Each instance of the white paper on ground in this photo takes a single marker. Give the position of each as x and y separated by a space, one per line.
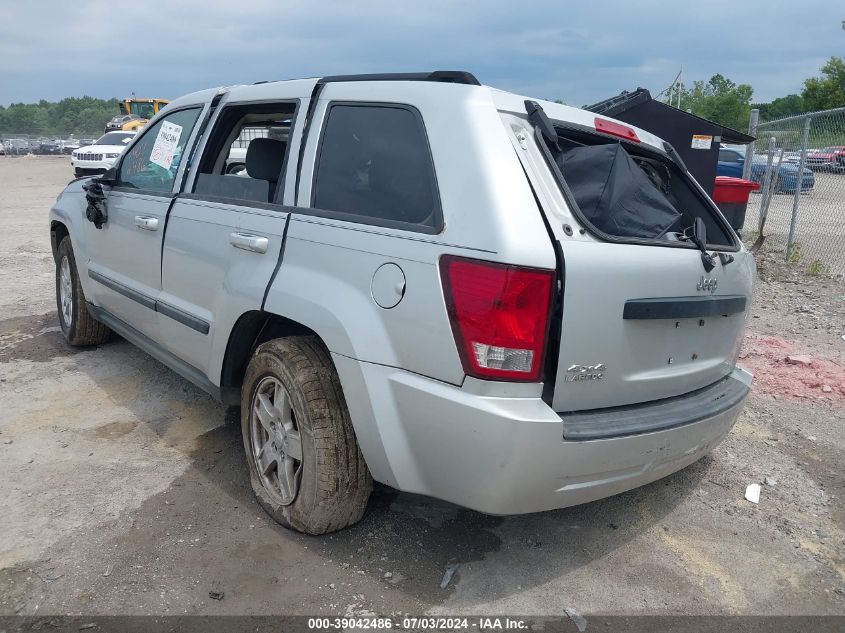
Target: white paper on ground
752 493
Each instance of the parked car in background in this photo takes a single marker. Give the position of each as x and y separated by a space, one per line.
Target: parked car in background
68 145
732 161
17 147
97 158
116 124
827 159
418 331
50 148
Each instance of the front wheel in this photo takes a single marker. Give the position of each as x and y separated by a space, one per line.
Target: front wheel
78 326
304 461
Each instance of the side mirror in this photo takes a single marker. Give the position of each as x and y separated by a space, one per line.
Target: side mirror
108 178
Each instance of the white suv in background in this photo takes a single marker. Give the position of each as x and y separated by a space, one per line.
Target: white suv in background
509 304
95 159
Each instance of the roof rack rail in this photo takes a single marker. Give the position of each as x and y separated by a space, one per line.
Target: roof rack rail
444 76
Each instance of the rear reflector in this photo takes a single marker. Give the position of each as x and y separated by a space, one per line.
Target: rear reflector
616 129
499 316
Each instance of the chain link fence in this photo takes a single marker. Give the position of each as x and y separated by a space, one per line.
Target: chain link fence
799 162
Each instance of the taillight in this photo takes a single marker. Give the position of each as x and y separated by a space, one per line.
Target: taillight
499 315
616 129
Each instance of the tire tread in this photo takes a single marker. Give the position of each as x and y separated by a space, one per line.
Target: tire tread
85 330
342 479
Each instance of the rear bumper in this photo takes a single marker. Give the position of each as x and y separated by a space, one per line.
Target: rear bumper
649 417
506 455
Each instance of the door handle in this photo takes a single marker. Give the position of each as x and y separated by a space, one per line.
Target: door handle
254 243
148 224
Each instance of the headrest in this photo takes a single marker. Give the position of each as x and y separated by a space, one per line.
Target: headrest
264 158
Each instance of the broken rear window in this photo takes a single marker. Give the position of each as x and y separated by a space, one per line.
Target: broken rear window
627 191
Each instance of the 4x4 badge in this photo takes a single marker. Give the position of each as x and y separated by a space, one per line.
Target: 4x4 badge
576 373
707 284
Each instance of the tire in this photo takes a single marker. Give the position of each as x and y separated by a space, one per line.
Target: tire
78 326
78 173
327 488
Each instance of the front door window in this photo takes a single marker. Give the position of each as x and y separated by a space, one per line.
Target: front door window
152 162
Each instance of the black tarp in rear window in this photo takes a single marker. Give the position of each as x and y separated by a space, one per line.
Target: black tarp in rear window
615 194
631 192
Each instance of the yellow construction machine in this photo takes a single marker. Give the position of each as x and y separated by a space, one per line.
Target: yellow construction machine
134 114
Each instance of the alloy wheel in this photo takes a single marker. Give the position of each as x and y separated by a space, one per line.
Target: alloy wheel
275 440
66 291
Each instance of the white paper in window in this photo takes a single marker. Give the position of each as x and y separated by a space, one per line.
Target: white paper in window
165 145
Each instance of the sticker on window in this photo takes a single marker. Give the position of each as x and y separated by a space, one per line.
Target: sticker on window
165 146
701 141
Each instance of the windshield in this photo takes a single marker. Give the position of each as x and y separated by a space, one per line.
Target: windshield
830 150
143 110
115 138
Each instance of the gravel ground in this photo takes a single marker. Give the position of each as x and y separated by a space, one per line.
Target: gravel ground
125 489
819 230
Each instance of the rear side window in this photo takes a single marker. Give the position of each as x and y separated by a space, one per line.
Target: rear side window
374 163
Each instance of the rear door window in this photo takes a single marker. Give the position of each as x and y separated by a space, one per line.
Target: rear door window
374 166
245 156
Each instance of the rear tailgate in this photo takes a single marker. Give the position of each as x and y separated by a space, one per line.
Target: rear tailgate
625 309
640 322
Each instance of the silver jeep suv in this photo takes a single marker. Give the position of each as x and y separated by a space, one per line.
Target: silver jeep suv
509 304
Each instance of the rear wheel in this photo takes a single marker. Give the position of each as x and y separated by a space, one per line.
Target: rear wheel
78 326
304 461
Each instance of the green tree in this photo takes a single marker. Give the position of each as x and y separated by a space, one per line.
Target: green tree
719 100
781 107
82 116
827 91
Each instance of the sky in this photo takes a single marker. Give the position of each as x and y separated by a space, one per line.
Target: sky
580 52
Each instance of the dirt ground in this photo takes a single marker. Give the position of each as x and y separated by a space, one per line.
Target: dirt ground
124 488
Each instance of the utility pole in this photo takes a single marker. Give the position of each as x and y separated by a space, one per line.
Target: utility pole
680 82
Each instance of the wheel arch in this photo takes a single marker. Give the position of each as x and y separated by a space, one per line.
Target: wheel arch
255 327
251 330
58 231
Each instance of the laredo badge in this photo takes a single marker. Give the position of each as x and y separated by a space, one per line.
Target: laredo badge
577 373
